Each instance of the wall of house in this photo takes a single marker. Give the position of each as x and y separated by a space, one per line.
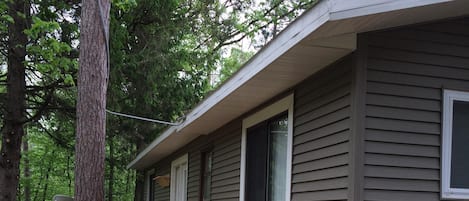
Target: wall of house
226 146
407 68
321 144
321 134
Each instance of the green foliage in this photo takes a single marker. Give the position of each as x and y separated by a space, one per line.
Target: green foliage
162 55
233 62
52 167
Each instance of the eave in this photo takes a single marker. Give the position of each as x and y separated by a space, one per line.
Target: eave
318 38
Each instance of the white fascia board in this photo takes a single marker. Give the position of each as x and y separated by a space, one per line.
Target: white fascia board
294 33
346 9
310 21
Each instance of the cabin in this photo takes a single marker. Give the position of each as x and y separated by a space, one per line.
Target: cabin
355 100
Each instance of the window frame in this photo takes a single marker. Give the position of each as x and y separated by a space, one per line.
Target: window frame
449 96
283 105
203 156
184 159
148 180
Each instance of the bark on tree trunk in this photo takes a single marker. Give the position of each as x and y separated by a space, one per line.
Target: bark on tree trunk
91 103
12 132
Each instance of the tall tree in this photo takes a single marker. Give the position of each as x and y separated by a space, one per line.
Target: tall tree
91 102
31 49
12 130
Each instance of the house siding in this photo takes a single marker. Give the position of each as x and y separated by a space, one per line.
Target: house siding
407 68
321 134
225 144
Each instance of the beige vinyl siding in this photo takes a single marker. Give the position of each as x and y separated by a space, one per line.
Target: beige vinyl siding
321 134
407 70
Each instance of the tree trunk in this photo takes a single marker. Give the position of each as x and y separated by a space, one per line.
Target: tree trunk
12 132
91 102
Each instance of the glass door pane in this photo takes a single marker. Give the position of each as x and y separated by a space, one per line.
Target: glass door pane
278 138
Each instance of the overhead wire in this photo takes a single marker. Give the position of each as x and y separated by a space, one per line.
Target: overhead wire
105 31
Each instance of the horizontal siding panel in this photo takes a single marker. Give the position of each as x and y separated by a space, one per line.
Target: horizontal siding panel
401 184
321 153
329 184
225 182
422 35
226 188
400 195
403 102
321 90
329 140
402 161
332 95
324 120
316 84
401 173
322 174
417 57
402 149
403 90
234 146
231 160
419 46
403 114
402 137
415 80
403 126
340 194
450 27
225 195
419 69
323 110
324 163
335 127
225 175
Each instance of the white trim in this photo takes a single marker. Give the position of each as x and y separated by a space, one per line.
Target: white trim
348 9
449 96
327 19
286 104
183 160
147 183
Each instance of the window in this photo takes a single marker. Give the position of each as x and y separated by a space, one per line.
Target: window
178 191
266 153
150 185
455 164
206 175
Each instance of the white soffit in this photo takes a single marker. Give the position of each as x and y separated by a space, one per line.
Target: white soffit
318 38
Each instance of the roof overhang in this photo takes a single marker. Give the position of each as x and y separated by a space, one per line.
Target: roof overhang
318 38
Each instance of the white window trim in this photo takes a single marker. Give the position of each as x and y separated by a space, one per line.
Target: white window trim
147 183
449 96
285 104
179 161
